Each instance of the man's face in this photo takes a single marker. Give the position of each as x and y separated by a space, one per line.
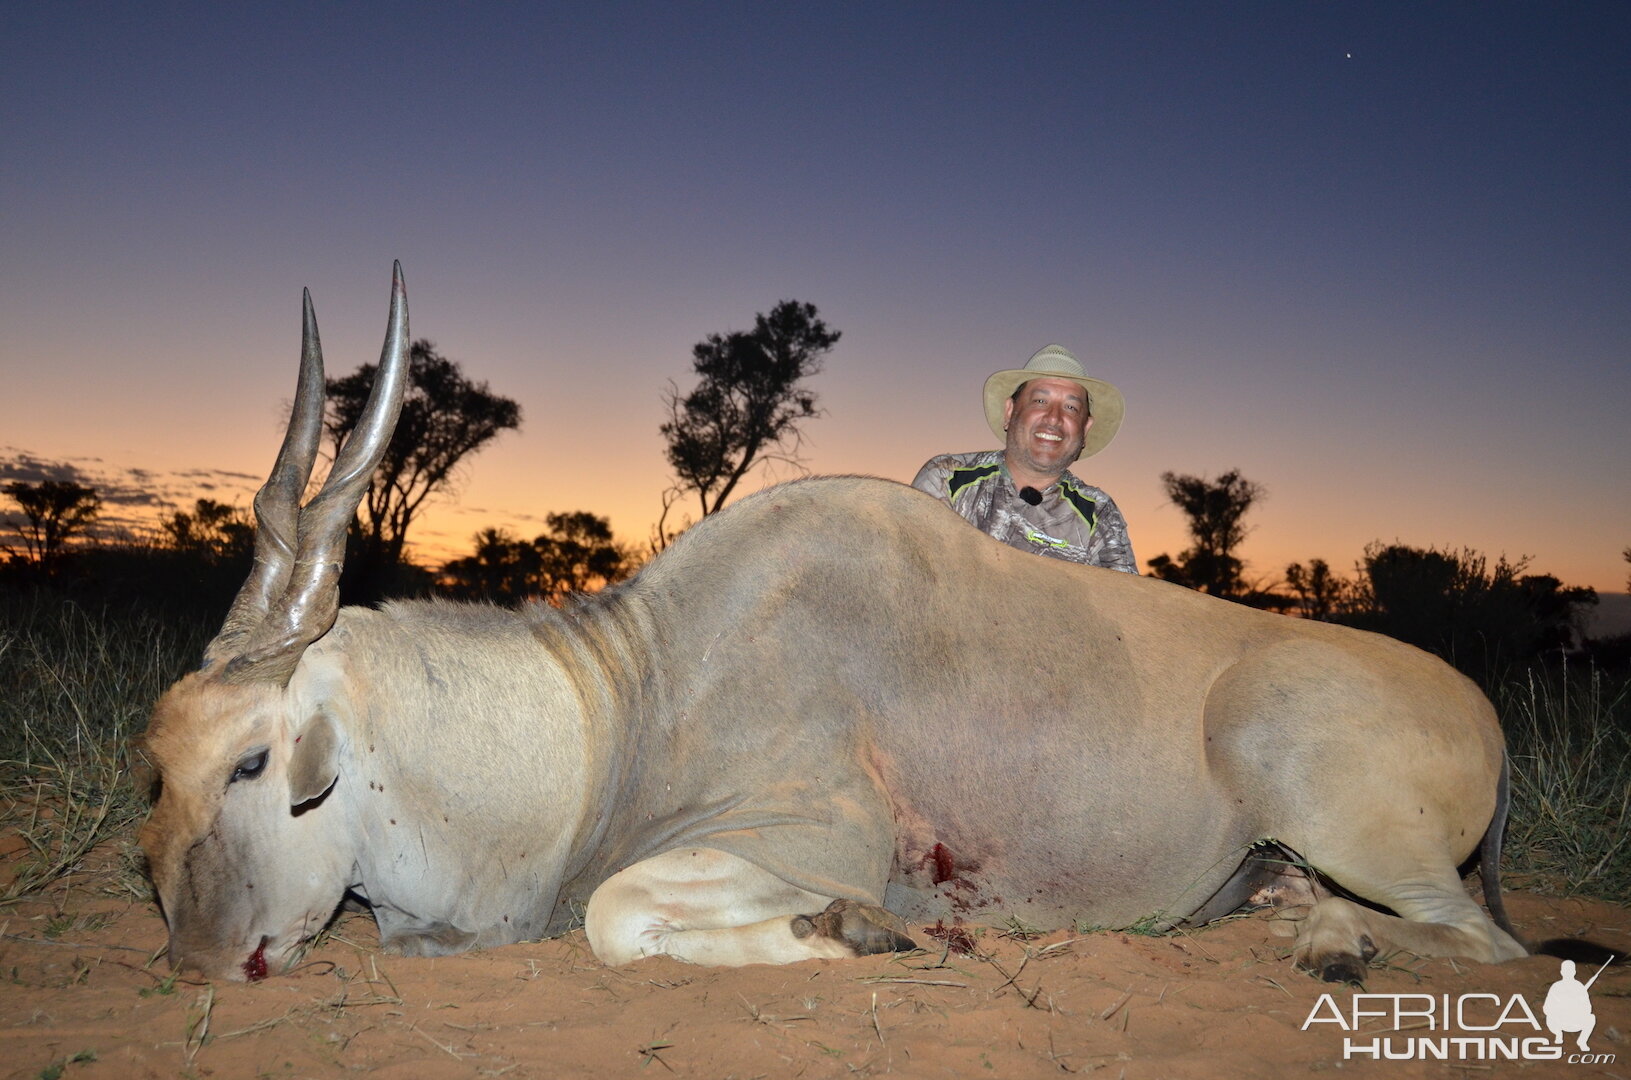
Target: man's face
1046 426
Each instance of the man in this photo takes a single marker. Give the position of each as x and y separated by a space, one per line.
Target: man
1048 414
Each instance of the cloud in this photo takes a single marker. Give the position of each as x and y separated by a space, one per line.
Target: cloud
20 465
460 510
134 499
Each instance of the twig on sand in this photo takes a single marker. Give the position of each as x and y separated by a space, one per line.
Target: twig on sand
1111 1011
648 1054
1058 948
1189 936
198 1027
759 1016
263 1025
448 1050
1008 980
382 977
1274 983
904 979
69 944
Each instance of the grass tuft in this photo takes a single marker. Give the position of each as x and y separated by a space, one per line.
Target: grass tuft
79 687
1569 738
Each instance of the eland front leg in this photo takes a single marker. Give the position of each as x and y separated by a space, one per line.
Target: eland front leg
709 907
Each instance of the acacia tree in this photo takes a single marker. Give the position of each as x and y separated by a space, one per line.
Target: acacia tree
577 554
1215 509
445 418
501 569
1320 594
56 510
746 406
213 531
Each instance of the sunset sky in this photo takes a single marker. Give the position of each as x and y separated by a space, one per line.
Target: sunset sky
1376 256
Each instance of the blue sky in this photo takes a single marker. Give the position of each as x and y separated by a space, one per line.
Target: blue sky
1373 255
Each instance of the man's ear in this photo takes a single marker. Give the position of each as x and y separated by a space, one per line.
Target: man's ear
315 763
1007 412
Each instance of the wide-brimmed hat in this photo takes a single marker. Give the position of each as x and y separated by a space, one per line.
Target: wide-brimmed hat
1105 404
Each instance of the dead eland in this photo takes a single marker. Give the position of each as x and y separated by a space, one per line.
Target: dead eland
828 711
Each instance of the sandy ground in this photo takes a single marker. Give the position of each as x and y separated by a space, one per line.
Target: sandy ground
84 995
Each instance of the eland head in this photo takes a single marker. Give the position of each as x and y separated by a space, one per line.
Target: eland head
247 851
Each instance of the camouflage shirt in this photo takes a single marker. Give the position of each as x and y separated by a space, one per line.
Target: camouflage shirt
1074 521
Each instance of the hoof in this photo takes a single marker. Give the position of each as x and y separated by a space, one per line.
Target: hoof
1346 967
865 928
1343 969
439 939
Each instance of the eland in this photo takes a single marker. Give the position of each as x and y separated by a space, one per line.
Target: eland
824 713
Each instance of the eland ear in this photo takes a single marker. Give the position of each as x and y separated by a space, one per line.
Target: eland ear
315 763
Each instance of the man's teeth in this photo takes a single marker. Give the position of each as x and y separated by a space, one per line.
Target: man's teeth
1049 437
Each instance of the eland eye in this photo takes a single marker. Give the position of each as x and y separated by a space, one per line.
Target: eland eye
249 766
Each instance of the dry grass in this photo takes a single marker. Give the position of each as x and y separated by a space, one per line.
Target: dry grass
1569 737
79 686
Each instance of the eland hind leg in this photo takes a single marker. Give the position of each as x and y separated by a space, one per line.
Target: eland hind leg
709 907
1399 847
1379 766
1435 917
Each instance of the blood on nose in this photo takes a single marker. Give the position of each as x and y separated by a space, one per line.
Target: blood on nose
255 966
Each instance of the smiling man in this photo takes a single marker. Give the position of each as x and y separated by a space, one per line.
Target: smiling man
1048 414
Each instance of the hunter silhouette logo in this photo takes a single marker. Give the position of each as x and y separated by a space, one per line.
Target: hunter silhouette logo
1568 1006
1466 1027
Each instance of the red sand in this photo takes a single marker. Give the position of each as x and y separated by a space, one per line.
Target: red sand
80 982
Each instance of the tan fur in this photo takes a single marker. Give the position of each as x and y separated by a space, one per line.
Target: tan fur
834 690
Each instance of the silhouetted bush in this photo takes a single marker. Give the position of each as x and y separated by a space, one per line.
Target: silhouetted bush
1487 621
162 581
